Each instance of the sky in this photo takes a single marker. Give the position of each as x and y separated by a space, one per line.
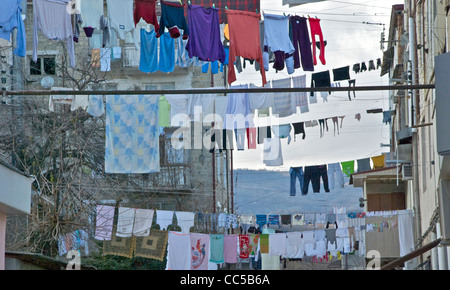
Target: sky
352 30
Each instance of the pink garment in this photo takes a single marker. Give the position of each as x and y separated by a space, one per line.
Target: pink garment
104 222
199 251
230 246
243 28
314 25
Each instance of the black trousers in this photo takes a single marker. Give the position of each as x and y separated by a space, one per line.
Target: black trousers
313 174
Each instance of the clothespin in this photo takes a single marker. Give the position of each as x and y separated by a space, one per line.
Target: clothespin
214 5
226 7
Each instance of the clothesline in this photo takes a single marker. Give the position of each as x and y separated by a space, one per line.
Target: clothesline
218 90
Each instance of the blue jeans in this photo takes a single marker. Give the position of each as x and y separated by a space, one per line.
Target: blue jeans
296 173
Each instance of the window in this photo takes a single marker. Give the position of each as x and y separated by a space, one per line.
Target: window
43 66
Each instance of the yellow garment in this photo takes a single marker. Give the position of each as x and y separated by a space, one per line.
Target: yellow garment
378 161
226 32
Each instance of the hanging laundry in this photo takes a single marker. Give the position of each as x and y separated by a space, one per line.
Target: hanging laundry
105 59
335 125
320 79
335 175
172 18
253 245
79 102
146 9
286 219
341 74
358 116
273 219
143 219
178 251
121 17
185 220
217 248
204 37
91 11
244 40
261 100
299 128
378 63
264 243
272 152
282 131
302 43
363 67
158 249
164 112
276 38
371 65
316 30
313 174
261 220
148 62
251 138
299 99
348 167
240 139
378 161
182 56
96 106
387 117
311 123
294 245
351 83
277 244
244 250
106 31
363 165
199 251
282 102
357 68
104 222
166 53
164 218
323 125
230 248
53 20
295 173
298 219
125 222
132 134
238 113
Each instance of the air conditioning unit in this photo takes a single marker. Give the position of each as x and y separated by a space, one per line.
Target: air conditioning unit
407 172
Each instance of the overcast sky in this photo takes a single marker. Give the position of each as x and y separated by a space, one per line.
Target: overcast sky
349 41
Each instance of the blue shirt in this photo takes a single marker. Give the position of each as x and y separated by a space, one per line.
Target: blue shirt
10 18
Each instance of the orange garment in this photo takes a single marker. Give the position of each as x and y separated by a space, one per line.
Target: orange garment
378 161
244 40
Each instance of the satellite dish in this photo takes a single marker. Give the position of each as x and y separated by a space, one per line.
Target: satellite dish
47 82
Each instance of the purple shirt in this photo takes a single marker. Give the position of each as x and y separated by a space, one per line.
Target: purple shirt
204 34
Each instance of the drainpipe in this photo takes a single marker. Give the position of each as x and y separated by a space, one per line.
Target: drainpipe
415 145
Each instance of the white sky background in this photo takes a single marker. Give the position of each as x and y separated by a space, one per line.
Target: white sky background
349 41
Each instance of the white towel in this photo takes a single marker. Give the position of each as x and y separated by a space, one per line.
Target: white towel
405 232
164 218
104 222
277 244
269 262
125 222
295 248
178 251
142 222
185 220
